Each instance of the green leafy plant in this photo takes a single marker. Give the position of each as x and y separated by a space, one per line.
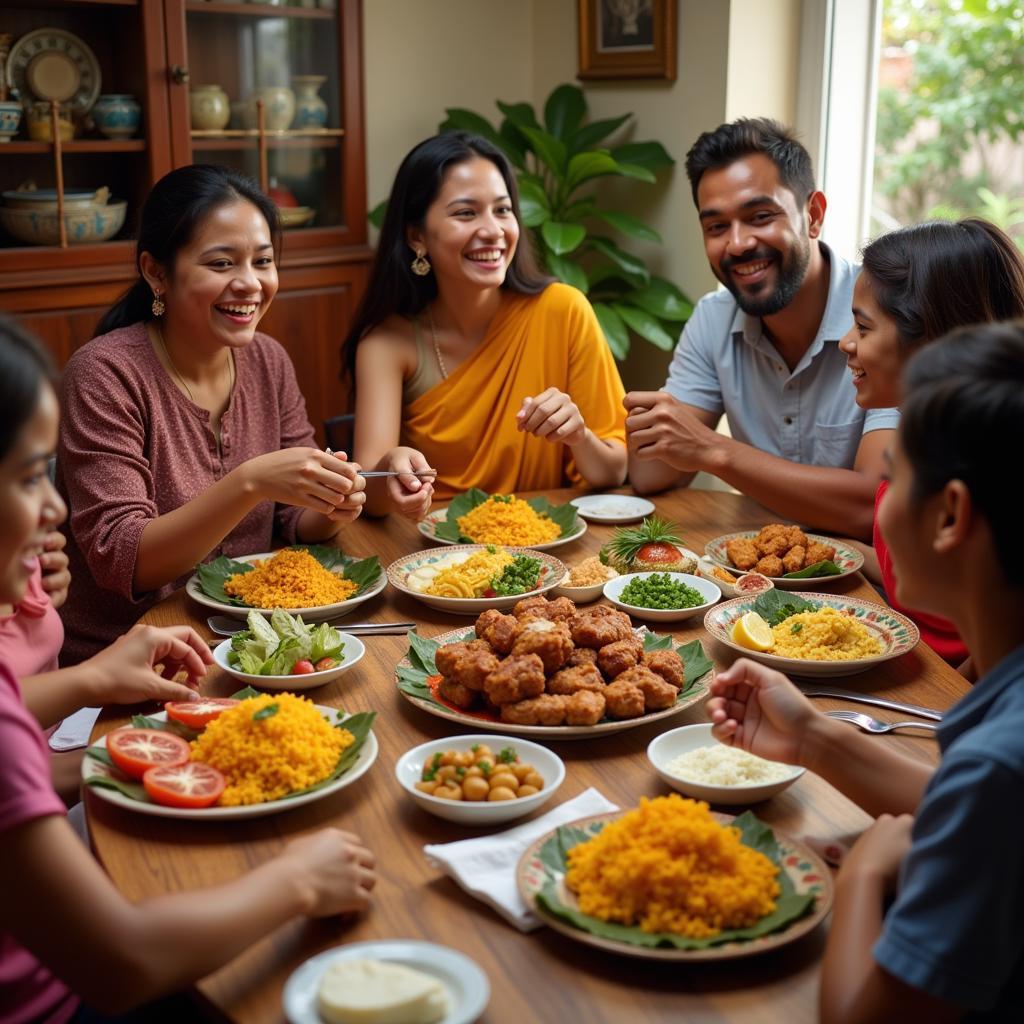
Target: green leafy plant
557 164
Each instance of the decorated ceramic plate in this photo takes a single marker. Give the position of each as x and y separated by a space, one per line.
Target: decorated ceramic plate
895 632
115 791
59 64
206 585
847 560
465 984
805 899
440 526
612 508
412 573
417 679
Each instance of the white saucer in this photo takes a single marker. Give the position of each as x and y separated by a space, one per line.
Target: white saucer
468 988
612 508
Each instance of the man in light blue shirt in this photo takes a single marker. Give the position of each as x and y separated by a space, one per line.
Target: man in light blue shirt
765 352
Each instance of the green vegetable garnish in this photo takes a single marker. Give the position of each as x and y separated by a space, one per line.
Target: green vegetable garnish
429 774
519 577
796 627
621 550
659 590
268 712
485 767
775 606
507 755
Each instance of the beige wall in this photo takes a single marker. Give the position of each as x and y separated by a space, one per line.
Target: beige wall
425 55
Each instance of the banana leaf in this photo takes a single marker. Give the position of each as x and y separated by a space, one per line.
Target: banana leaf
825 568
775 606
212 576
789 906
564 516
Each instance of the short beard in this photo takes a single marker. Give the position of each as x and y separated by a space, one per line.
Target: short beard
792 271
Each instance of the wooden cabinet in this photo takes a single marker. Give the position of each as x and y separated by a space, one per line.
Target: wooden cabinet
161 51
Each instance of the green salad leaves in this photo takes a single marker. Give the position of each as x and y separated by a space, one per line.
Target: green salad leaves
272 648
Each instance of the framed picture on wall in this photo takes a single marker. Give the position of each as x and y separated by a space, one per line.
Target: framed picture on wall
627 39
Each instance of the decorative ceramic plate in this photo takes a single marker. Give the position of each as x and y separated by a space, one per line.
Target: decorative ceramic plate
552 572
465 983
59 64
848 559
895 632
434 704
612 508
367 755
319 614
805 871
428 525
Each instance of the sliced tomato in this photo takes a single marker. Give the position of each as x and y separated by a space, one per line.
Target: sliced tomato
192 784
325 663
198 714
135 751
302 667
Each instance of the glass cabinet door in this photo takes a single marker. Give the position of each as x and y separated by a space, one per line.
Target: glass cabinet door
267 86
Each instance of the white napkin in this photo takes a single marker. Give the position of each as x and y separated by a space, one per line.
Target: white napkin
74 731
486 867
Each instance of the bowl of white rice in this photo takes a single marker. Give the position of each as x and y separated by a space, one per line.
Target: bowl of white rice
693 762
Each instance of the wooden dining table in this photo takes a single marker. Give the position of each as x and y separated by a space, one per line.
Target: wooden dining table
540 976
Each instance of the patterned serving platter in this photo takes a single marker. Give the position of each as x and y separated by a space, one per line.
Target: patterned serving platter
806 871
848 559
690 695
896 632
552 572
62 59
428 527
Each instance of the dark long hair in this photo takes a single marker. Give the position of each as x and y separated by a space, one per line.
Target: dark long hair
748 136
178 203
393 287
933 277
24 367
963 404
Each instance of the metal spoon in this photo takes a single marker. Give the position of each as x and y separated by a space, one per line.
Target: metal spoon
224 625
873 725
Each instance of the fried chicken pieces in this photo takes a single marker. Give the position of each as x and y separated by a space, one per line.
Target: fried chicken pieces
776 550
549 664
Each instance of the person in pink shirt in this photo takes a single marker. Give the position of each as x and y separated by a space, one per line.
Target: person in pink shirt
916 284
184 435
72 948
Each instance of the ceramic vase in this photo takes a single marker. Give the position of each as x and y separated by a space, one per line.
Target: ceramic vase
117 115
310 109
278 107
209 108
10 118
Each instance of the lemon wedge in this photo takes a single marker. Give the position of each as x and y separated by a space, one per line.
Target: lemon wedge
752 632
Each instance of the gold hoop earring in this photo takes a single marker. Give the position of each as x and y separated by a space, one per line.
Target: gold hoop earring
158 307
420 265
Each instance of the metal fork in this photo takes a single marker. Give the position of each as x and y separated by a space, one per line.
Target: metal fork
873 725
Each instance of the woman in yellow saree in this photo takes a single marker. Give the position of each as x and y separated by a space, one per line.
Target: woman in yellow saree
464 357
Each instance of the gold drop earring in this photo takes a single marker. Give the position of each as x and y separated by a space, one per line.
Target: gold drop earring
420 265
158 307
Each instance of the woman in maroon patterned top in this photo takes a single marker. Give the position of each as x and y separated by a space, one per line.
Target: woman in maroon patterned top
184 435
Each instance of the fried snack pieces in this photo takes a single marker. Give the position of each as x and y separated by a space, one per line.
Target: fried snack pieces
776 550
549 664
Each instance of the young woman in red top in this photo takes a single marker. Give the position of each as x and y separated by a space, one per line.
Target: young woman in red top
917 284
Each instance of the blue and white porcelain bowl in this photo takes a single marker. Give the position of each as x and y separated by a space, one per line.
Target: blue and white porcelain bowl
10 120
117 115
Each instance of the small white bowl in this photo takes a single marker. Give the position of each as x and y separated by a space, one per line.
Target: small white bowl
664 749
705 569
409 770
581 595
353 652
708 590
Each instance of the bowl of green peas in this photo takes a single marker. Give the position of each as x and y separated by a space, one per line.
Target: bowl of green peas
661 596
